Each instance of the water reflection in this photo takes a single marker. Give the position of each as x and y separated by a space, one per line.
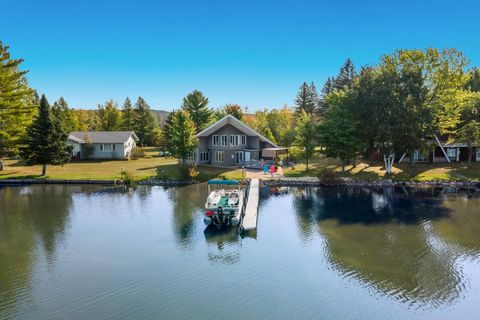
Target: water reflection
391 239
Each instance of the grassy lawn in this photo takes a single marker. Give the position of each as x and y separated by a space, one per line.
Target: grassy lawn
403 171
139 169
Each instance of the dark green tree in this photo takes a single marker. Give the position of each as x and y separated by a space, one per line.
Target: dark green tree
64 115
346 76
144 122
128 116
182 131
196 104
46 141
338 132
304 100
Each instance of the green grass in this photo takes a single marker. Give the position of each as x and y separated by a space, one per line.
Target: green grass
402 172
139 169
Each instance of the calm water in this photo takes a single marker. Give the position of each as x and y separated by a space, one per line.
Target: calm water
110 253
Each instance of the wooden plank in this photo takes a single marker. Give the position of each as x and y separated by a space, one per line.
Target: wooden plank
249 221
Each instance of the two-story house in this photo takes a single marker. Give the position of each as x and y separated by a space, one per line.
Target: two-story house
230 142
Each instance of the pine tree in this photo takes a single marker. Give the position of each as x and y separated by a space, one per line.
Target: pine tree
46 141
17 105
196 104
144 121
304 101
182 135
315 97
165 141
346 76
64 114
109 116
128 115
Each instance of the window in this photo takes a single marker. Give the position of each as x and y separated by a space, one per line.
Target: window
238 140
220 156
107 147
203 156
478 154
452 153
224 140
215 140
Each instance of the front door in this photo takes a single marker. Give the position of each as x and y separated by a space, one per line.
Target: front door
247 156
238 157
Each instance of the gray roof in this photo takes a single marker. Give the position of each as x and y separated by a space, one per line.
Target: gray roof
102 136
231 120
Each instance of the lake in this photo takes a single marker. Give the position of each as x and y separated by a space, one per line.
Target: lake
89 252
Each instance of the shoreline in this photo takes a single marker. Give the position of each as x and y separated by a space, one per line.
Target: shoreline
279 182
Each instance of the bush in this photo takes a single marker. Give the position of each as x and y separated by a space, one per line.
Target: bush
126 177
328 176
188 172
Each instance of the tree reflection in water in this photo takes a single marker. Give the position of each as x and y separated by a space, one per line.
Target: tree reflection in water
385 238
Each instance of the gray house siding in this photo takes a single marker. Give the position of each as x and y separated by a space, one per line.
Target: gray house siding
119 152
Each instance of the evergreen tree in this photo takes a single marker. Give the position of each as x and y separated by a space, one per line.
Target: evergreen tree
346 76
144 122
165 141
315 97
304 101
306 134
128 116
109 116
196 104
474 82
46 141
64 115
182 137
235 110
17 105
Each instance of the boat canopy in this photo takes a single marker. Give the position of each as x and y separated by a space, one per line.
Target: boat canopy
224 182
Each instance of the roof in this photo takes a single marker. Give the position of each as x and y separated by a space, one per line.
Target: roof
231 120
102 136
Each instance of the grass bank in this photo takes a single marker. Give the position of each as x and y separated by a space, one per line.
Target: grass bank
140 169
402 172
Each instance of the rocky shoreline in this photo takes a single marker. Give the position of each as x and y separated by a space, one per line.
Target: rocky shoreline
278 182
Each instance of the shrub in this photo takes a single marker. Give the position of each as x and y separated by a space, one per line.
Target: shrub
188 172
126 177
329 176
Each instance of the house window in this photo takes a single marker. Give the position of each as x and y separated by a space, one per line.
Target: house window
220 156
203 156
478 154
107 147
452 153
244 140
215 141
232 140
224 140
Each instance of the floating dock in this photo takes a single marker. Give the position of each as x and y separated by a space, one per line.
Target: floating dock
250 215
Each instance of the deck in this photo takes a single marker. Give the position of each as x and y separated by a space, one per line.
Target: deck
250 217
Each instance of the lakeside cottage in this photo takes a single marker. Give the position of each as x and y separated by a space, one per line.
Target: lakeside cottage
103 144
230 142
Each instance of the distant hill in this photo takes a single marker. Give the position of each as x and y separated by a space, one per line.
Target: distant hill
161 116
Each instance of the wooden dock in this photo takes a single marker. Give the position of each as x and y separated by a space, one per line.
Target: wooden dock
250 215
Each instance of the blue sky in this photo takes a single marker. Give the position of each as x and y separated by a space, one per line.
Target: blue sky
254 53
